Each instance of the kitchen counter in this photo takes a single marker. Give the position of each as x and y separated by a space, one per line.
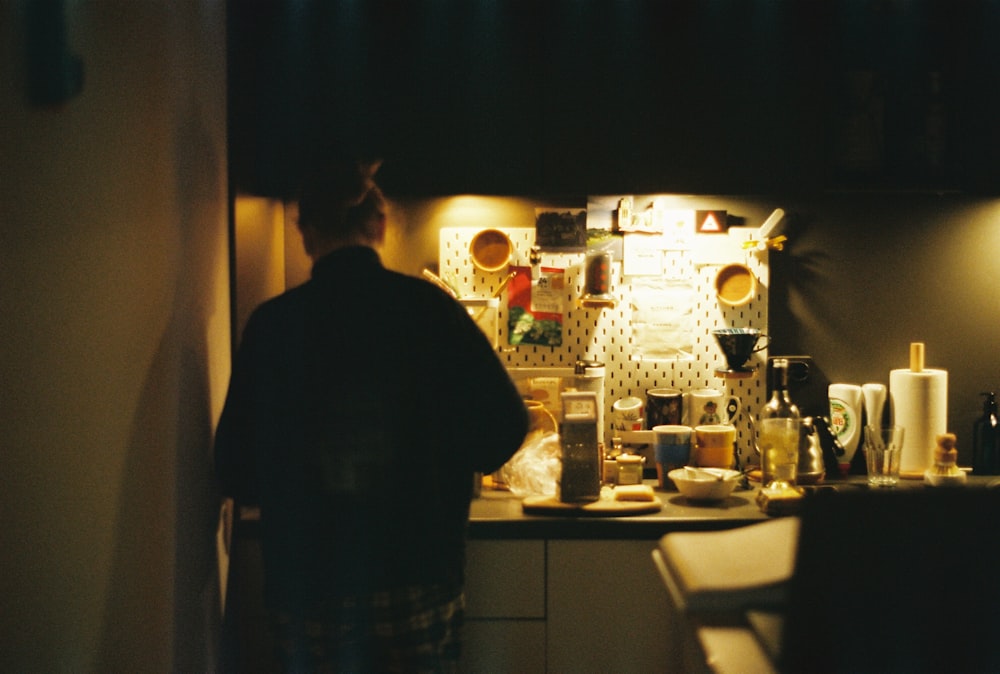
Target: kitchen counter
499 515
533 583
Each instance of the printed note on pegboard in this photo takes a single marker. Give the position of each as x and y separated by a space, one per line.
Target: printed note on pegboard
535 312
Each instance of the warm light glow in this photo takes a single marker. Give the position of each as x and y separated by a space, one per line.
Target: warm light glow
484 211
414 244
260 252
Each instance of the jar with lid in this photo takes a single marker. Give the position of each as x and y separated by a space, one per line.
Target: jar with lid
630 468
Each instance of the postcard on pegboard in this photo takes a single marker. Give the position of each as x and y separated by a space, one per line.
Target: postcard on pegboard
564 230
535 306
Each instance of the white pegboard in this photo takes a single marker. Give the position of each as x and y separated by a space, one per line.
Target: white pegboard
605 334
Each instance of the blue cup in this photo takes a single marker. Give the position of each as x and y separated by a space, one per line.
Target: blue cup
673 449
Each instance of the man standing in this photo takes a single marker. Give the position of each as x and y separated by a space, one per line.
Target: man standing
361 404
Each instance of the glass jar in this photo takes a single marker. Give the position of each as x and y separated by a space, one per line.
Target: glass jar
629 468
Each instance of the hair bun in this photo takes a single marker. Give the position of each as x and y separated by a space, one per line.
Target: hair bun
364 181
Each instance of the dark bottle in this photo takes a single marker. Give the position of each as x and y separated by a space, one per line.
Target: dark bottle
986 439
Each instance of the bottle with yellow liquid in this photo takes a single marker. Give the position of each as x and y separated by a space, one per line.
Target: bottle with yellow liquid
779 430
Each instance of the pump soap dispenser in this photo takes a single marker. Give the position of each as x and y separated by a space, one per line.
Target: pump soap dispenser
986 439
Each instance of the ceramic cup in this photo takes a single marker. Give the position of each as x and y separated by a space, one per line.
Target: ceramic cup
491 250
618 424
735 285
673 449
713 446
626 414
664 407
707 406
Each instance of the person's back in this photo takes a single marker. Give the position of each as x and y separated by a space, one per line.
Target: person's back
366 400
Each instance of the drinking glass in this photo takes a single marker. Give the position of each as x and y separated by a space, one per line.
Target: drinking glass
883 449
778 442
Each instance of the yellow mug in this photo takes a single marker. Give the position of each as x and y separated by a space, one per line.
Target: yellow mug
713 446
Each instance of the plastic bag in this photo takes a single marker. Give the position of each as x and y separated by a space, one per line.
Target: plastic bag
535 467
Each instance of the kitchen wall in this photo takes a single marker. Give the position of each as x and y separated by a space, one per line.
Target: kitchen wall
115 301
862 275
868 120
865 274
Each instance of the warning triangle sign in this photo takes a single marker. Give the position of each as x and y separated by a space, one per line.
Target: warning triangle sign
711 222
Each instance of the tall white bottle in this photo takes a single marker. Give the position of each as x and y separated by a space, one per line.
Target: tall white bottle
845 419
874 395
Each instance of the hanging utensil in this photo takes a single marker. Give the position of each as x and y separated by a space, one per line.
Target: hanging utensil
439 282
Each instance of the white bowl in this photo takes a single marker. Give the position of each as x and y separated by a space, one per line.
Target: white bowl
703 484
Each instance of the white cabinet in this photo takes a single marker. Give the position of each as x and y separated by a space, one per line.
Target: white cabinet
564 606
505 609
504 646
607 608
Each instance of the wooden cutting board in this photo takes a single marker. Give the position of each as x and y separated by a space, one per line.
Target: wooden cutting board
551 505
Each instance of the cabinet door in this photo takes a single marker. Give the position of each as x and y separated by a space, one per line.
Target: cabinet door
607 608
503 647
505 607
505 579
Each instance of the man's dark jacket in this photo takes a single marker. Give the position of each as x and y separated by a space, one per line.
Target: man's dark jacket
360 404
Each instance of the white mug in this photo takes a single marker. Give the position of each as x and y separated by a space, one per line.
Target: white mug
707 406
626 414
628 409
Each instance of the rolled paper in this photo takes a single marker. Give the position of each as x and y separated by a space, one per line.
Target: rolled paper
920 405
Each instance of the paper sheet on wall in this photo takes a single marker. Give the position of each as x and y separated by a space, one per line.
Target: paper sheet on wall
662 320
643 254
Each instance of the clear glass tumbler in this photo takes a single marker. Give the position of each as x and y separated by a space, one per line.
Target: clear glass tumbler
883 449
778 442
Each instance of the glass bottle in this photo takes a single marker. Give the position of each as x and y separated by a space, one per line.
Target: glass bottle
779 433
780 406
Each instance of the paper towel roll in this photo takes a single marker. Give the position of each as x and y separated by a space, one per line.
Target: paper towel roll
920 406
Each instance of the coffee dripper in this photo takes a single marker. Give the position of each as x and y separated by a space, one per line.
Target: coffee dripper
737 345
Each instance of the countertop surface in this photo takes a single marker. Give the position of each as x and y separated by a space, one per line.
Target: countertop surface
499 514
